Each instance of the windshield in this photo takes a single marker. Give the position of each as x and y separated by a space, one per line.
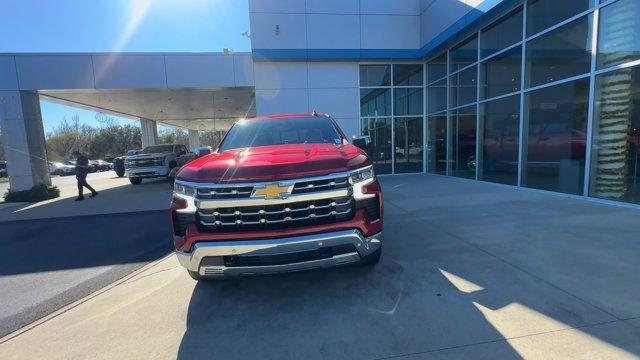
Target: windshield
158 149
307 130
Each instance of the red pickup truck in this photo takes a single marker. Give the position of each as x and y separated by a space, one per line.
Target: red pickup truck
282 193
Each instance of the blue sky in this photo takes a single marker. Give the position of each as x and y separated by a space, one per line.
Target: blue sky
120 25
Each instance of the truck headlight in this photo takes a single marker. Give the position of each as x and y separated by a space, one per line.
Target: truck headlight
361 175
184 189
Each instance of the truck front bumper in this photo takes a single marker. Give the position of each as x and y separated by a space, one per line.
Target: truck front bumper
146 172
279 255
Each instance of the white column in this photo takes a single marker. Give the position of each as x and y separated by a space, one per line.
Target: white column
149 129
194 139
23 140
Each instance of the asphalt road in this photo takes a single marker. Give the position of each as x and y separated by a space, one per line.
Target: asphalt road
49 263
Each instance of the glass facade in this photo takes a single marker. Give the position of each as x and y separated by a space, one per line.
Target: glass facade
532 99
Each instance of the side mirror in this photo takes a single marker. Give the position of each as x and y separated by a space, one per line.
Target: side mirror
361 141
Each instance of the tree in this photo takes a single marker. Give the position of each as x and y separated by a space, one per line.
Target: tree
173 136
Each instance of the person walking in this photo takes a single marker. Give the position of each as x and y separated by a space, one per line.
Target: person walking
82 169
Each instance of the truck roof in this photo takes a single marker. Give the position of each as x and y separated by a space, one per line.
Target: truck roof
287 116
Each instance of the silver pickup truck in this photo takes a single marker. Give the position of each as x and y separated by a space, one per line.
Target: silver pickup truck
156 161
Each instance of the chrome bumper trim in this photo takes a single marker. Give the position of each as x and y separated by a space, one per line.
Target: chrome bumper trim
364 246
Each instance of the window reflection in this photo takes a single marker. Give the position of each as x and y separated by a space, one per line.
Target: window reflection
408 142
380 147
542 14
615 165
500 124
375 75
437 96
501 74
502 34
408 101
437 68
375 102
560 54
619 33
407 75
437 144
464 54
463 142
463 87
556 137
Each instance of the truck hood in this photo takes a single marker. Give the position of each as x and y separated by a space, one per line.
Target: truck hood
277 162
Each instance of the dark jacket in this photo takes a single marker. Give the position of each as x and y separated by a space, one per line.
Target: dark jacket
82 165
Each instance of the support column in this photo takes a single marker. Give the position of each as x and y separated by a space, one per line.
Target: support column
194 139
23 140
149 129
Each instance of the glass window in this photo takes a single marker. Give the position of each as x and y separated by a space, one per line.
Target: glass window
619 33
542 14
408 101
556 119
464 54
375 75
615 164
463 142
437 96
375 102
562 53
463 87
501 74
407 75
501 34
364 125
380 147
500 124
437 144
408 142
437 68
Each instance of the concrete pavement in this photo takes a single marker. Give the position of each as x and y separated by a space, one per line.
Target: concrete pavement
469 270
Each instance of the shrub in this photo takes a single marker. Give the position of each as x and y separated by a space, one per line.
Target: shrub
36 193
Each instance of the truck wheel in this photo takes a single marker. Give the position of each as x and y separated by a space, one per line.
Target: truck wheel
372 258
194 275
135 180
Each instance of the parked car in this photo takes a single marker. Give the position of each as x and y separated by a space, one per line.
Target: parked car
156 161
61 168
3 169
282 193
103 165
118 163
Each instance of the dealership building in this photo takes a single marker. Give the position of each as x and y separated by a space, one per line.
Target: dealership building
538 94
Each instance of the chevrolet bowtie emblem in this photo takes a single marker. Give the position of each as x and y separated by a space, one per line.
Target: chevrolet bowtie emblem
272 191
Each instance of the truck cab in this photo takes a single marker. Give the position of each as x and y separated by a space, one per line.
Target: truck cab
282 193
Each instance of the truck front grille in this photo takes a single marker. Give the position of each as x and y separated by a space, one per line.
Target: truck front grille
286 215
143 163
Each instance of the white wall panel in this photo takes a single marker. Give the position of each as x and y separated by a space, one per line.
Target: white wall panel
391 7
126 71
339 103
278 101
278 6
54 72
8 76
333 74
292 34
199 71
243 68
439 15
390 32
280 75
333 31
333 6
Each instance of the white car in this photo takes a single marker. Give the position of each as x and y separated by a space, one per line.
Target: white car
156 161
61 169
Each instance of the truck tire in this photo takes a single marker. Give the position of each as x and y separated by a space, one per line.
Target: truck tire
135 180
194 275
371 259
118 166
